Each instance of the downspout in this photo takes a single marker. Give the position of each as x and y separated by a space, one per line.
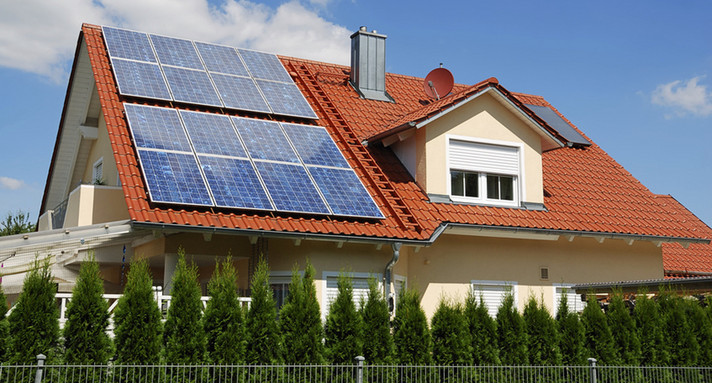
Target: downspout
388 276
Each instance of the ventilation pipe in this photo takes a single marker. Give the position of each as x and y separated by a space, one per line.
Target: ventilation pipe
389 277
368 64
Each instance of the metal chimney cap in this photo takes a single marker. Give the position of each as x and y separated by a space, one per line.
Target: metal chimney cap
363 28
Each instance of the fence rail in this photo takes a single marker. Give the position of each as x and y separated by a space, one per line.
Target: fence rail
357 373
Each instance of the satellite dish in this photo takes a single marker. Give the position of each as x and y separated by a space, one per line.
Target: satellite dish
438 83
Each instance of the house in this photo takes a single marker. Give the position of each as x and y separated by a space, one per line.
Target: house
167 143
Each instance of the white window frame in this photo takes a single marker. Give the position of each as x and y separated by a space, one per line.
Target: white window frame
493 310
578 307
98 164
325 306
281 278
518 179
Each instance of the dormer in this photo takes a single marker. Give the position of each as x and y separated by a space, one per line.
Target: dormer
479 146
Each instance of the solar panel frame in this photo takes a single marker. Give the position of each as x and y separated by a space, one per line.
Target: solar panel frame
191 86
146 80
291 188
156 128
126 44
264 65
174 177
344 192
221 59
315 146
212 134
559 124
234 183
286 99
265 140
239 93
176 52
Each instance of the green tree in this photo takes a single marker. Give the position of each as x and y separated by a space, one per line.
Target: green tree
599 339
701 326
650 331
451 335
483 332
34 322
85 337
183 336
378 345
623 329
4 328
344 326
511 334
571 335
264 344
17 223
137 333
542 335
679 336
312 346
223 321
300 320
411 335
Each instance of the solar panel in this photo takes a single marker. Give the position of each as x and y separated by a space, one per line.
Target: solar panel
290 188
221 59
234 183
176 52
173 178
264 65
212 134
191 86
156 128
128 44
286 99
555 121
315 146
344 192
265 140
240 93
140 79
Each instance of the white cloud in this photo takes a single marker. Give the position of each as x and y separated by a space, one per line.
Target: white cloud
39 36
11 183
684 97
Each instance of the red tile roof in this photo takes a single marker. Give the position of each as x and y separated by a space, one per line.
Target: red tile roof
696 259
586 190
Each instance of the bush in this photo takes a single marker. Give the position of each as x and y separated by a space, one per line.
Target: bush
312 346
85 337
34 322
378 345
542 335
138 319
4 328
411 336
679 336
599 340
701 326
451 336
183 337
511 334
625 335
223 321
483 332
571 335
264 345
649 324
343 328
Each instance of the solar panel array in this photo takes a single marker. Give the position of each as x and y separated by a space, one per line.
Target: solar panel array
209 159
167 68
555 121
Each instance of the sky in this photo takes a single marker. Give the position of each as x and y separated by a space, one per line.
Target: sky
635 76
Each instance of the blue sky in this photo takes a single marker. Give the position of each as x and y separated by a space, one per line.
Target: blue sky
635 76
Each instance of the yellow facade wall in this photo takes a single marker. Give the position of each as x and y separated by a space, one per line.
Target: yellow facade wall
102 150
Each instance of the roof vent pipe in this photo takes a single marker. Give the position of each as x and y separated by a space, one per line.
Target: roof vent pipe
368 64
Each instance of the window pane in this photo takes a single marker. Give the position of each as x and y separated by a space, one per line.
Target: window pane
457 183
492 187
471 186
506 185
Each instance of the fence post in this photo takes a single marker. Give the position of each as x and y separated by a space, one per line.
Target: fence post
40 362
359 369
592 364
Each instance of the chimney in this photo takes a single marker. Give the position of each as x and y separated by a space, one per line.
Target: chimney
368 65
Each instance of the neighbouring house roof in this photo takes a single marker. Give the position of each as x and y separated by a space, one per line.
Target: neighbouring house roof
693 260
586 191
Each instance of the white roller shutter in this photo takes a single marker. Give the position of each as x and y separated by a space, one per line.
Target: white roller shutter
360 286
486 158
493 293
573 300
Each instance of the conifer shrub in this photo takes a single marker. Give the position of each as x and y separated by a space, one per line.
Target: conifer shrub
649 324
34 322
344 326
4 327
451 335
312 346
290 320
599 342
542 335
85 337
223 321
378 342
701 327
511 334
411 335
264 343
678 334
623 329
483 332
571 335
137 319
183 336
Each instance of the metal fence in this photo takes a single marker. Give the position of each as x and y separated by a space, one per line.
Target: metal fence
357 373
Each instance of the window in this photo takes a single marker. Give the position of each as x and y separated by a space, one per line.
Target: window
484 172
573 300
279 283
493 293
360 288
97 175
